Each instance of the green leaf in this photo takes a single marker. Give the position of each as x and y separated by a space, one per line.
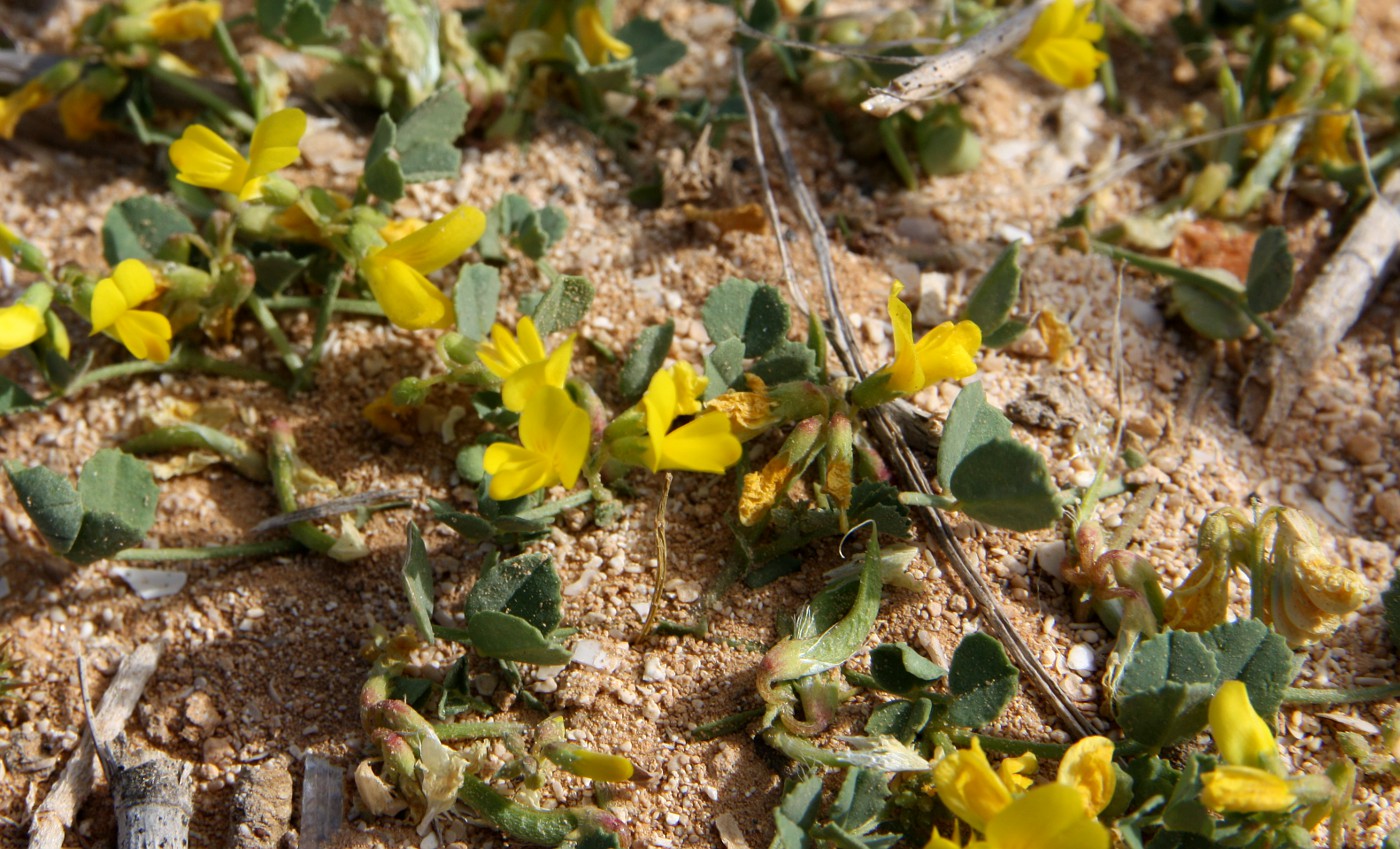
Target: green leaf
457 695
526 586
994 298
787 361
1007 484
507 637
972 423
897 668
796 813
1270 276
564 304
427 137
139 228
645 358
946 144
469 526
900 719
501 223
1164 691
13 399
1390 599
724 367
878 502
476 299
1151 777
119 497
981 680
382 174
804 655
270 14
541 230
306 23
860 803
1208 311
51 501
1248 650
1009 332
418 583
1184 810
652 49
276 270
752 312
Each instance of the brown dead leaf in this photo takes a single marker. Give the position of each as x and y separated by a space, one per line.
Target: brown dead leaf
747 218
1213 244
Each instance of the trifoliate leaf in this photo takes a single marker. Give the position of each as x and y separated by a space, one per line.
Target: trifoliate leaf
743 309
972 422
652 49
1007 484
981 680
897 668
1248 650
1165 689
141 228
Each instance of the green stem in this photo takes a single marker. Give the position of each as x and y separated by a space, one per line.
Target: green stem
192 89
274 332
318 337
1048 751
1331 696
354 306
215 552
531 825
281 462
224 41
477 730
550 509
184 359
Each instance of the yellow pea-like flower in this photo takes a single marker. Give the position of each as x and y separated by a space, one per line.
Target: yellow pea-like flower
521 362
970 788
9 241
944 353
1060 46
1241 734
1015 773
145 333
1088 768
1048 817
704 444
80 112
396 272
20 324
554 435
17 103
1245 789
203 159
185 21
598 44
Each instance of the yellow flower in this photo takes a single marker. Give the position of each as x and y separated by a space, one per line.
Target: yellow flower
704 444
20 324
1015 773
521 362
1241 735
1088 767
26 98
9 242
1245 789
944 353
185 21
1049 817
80 111
598 44
969 787
204 159
689 388
145 334
1060 46
590 764
554 436
395 230
395 273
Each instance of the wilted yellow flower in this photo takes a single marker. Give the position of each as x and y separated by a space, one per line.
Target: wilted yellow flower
1305 595
750 413
185 21
761 488
395 273
598 44
20 324
704 444
1241 734
1327 142
1060 46
145 333
969 787
521 362
1199 603
26 98
944 353
554 436
590 764
400 227
1049 817
1245 789
80 111
1088 768
203 159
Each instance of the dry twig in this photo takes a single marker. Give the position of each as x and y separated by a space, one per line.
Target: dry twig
322 802
906 465
1332 305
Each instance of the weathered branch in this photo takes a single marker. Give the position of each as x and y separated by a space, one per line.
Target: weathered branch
153 796
1332 305
322 802
945 70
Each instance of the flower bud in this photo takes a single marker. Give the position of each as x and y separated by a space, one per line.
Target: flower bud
279 191
762 488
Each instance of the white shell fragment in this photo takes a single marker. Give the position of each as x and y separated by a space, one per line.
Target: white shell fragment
1081 658
151 583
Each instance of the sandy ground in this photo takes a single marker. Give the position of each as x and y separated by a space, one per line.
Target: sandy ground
263 657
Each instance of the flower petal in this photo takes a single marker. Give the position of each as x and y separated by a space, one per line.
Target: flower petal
659 405
905 375
945 352
704 444
107 305
1088 767
20 324
408 299
135 281
502 355
555 427
440 242
201 158
1049 817
1245 789
969 787
275 141
515 471
1241 735
145 334
1057 18
531 345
